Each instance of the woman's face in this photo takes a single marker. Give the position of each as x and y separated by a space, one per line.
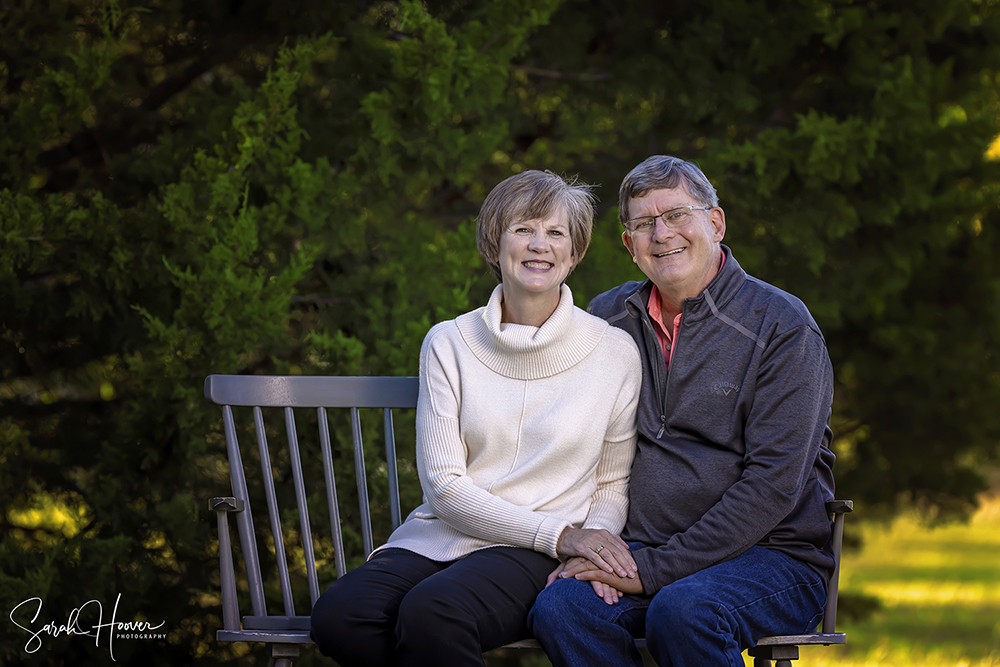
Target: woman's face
536 256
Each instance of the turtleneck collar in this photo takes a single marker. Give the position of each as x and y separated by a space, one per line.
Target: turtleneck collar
531 353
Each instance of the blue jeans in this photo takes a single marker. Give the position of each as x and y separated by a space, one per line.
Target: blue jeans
708 618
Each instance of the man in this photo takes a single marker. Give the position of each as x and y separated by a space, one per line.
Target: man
727 520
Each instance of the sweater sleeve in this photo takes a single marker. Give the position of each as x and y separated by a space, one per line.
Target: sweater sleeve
442 465
609 506
786 427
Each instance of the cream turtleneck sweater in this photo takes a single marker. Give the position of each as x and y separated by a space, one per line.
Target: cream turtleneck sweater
521 431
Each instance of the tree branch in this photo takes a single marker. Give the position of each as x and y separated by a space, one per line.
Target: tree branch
596 75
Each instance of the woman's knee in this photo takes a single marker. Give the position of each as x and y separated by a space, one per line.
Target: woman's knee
436 628
353 626
334 616
426 610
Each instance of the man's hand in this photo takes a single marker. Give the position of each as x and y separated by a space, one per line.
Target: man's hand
607 551
584 570
608 593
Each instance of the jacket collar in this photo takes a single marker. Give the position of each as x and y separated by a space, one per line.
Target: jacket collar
722 289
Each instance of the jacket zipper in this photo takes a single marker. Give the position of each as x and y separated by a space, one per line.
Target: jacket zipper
673 349
661 391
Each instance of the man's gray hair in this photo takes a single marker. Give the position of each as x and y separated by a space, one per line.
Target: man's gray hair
534 195
664 172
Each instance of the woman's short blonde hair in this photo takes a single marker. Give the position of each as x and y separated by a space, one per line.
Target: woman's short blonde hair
534 195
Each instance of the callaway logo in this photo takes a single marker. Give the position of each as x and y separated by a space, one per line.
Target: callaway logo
725 388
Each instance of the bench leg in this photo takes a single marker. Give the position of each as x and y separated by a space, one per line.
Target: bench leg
282 654
781 655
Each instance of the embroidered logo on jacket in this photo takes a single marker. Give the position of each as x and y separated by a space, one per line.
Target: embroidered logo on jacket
725 388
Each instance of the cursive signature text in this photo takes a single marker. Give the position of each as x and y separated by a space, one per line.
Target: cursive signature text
75 624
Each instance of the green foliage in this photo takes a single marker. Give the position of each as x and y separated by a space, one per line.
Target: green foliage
224 240
848 143
290 188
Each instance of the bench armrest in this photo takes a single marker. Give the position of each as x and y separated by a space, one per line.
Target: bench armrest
230 605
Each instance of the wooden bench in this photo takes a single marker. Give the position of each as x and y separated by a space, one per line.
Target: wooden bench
285 632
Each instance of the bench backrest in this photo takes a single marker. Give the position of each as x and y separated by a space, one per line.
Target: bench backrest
320 393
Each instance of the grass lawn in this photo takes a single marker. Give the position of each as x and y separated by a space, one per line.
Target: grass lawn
940 593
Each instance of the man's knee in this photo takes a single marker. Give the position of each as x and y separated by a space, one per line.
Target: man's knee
555 606
545 611
567 603
678 608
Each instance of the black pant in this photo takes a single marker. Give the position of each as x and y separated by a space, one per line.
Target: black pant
401 608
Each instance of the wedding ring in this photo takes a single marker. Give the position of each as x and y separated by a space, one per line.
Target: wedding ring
599 549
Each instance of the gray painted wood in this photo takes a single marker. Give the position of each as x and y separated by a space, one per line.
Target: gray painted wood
289 393
270 391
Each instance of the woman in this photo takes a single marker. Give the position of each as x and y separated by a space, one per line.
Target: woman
525 438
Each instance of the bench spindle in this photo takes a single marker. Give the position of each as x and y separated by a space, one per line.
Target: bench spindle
359 468
272 512
244 519
331 496
390 460
300 499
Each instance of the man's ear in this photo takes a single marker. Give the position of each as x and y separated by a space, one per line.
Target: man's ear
627 242
718 218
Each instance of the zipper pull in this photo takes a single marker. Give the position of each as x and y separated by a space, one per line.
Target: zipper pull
663 426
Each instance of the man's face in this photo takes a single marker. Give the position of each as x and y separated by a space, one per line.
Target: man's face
680 261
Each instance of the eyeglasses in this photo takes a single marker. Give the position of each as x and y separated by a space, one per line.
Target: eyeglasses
674 218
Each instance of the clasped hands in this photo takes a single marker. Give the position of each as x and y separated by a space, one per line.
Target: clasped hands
600 557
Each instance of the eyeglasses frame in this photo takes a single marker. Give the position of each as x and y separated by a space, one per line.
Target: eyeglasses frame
691 209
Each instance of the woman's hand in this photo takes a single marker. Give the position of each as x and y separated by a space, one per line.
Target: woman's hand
605 591
562 567
605 550
584 570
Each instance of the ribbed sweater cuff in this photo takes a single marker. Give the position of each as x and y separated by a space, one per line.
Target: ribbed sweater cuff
548 535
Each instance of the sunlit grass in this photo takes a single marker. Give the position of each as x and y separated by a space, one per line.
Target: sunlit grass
940 594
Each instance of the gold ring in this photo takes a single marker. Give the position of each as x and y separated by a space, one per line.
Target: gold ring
599 549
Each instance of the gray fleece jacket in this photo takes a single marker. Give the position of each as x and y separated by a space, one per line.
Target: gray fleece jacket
734 443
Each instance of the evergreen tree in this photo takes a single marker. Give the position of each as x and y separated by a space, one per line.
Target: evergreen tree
850 144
